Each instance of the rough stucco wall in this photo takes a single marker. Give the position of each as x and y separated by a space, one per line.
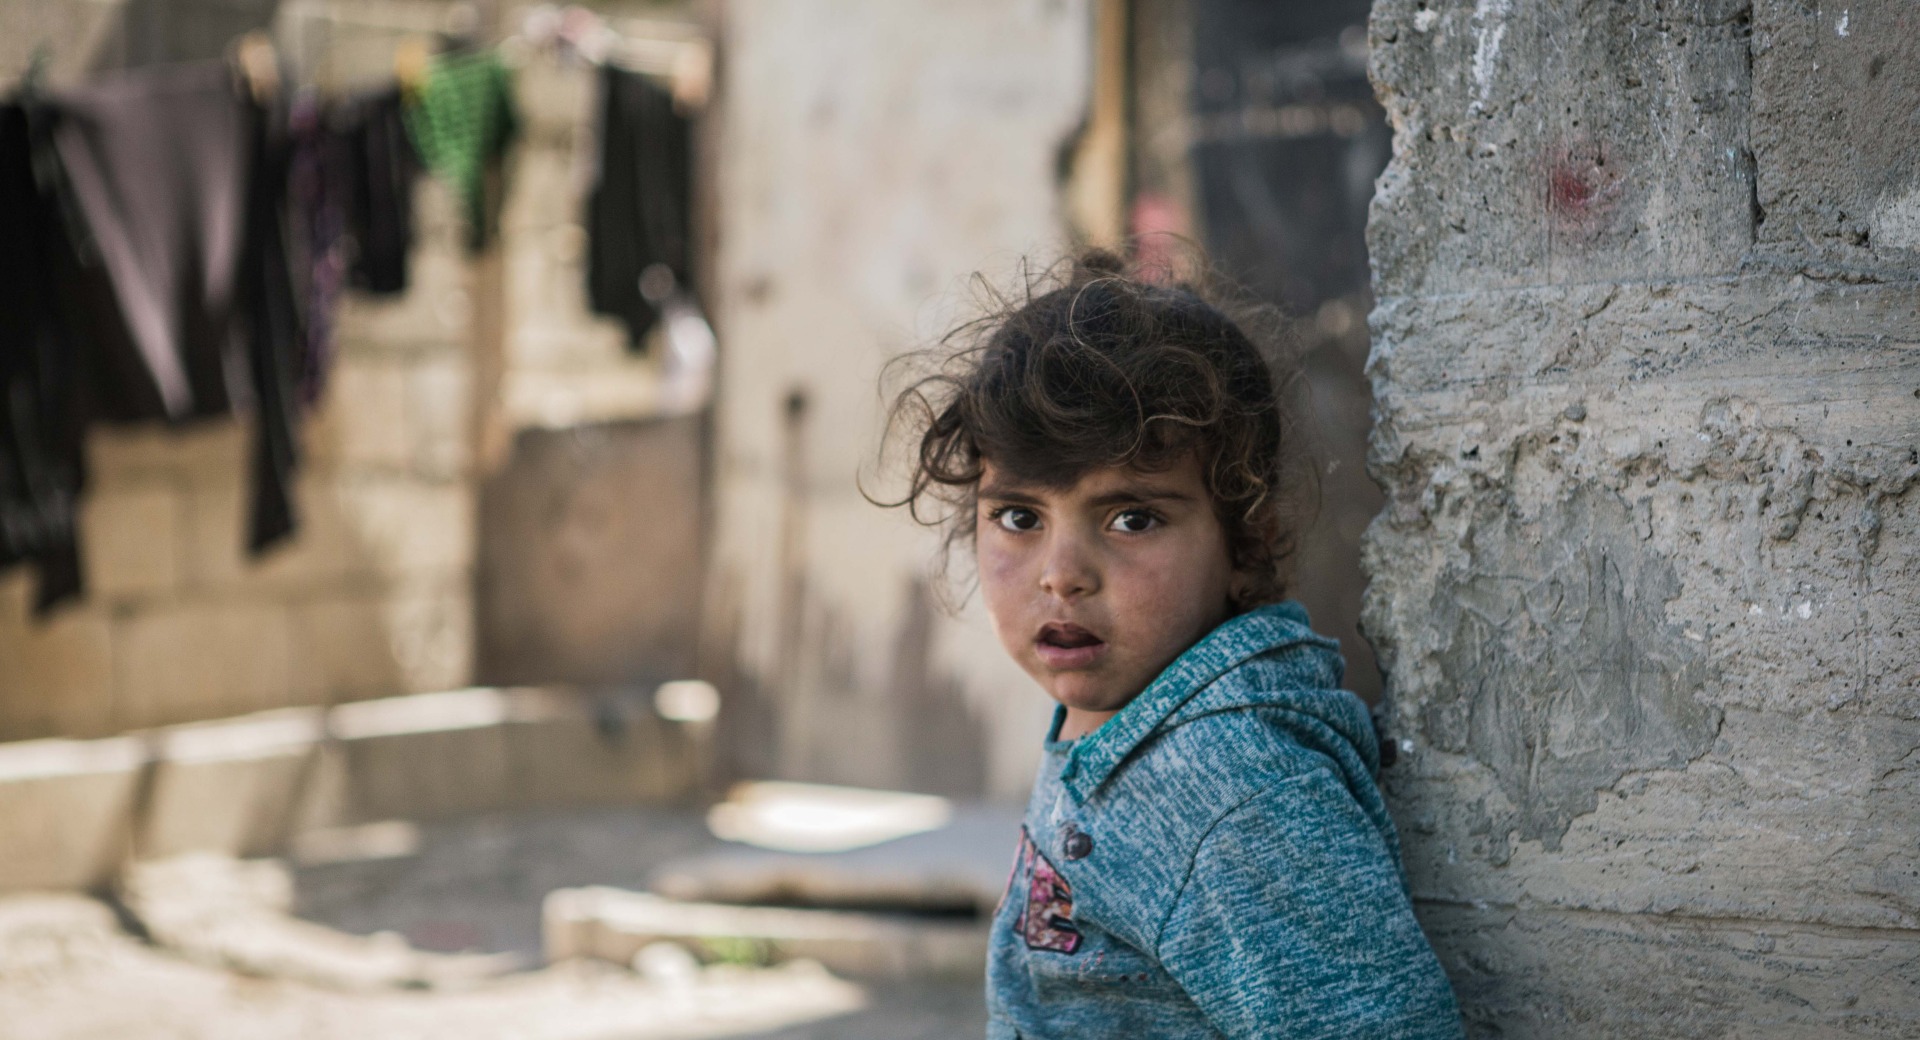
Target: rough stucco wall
1646 588
873 155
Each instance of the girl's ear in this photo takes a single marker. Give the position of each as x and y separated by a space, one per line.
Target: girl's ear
1239 590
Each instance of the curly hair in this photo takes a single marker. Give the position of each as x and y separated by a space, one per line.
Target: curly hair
1101 367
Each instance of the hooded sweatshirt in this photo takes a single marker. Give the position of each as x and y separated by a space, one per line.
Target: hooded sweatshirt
1216 860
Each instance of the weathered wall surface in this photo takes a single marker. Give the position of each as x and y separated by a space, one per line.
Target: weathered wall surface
1647 366
873 155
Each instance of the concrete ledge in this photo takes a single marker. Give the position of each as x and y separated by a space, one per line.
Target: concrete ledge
612 924
72 811
443 753
229 786
66 810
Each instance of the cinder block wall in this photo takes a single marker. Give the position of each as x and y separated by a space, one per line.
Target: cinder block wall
374 595
1647 589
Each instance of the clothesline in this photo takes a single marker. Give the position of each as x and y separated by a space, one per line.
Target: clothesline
172 229
679 54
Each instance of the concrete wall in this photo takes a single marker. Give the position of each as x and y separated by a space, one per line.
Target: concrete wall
591 560
1647 590
873 155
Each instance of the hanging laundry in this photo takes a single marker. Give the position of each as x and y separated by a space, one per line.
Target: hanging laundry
181 183
639 213
270 316
382 166
461 120
41 460
318 182
157 160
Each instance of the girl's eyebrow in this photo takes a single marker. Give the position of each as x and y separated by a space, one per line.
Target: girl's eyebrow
1017 495
1005 493
1148 493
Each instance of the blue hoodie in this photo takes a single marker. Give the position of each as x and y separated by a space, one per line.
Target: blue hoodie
1216 860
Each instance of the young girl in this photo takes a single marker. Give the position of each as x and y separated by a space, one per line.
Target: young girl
1205 852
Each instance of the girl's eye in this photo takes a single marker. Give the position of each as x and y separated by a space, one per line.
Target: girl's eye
1013 518
1135 521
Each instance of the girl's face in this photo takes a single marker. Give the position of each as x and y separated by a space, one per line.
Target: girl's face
1094 589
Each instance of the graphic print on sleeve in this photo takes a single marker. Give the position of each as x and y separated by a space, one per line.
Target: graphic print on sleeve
1046 921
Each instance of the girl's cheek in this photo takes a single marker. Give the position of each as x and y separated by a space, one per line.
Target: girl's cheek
999 571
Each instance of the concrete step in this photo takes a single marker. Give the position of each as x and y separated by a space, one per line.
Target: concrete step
616 925
959 867
236 915
65 810
73 811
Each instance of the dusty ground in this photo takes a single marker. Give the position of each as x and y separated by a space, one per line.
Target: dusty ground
71 970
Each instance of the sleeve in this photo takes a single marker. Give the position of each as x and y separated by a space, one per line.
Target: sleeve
1294 921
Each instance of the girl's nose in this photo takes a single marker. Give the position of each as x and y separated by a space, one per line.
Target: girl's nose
1070 570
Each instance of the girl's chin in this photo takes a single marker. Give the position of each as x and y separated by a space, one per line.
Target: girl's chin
1081 696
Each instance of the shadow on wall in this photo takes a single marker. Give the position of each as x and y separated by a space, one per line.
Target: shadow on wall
591 556
931 738
1286 142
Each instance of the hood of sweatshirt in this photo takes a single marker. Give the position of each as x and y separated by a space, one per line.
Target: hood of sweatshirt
1267 660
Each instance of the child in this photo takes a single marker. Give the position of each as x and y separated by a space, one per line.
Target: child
1205 852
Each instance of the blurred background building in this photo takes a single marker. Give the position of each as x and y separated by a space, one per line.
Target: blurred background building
498 492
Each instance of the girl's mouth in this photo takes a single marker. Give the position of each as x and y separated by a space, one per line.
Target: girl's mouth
1064 646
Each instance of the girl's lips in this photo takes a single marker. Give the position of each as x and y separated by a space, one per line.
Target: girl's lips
1063 646
1069 658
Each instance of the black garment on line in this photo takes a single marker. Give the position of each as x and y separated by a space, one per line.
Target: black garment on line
379 192
640 211
180 183
271 318
157 160
41 461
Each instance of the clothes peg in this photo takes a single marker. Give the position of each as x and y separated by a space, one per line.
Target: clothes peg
692 76
410 62
258 64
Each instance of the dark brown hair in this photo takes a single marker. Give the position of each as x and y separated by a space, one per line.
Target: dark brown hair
1096 366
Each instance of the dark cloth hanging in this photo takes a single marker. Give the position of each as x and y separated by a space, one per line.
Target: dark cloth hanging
186 305
639 213
381 168
271 321
157 159
42 467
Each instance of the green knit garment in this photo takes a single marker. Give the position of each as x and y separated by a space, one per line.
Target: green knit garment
461 120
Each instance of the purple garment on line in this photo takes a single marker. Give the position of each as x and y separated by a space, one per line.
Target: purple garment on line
319 182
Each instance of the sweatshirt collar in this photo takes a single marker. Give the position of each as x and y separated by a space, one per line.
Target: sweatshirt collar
1093 758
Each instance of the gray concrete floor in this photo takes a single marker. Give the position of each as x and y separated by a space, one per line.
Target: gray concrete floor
476 884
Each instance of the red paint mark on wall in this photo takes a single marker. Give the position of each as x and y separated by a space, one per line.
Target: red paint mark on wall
1581 185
